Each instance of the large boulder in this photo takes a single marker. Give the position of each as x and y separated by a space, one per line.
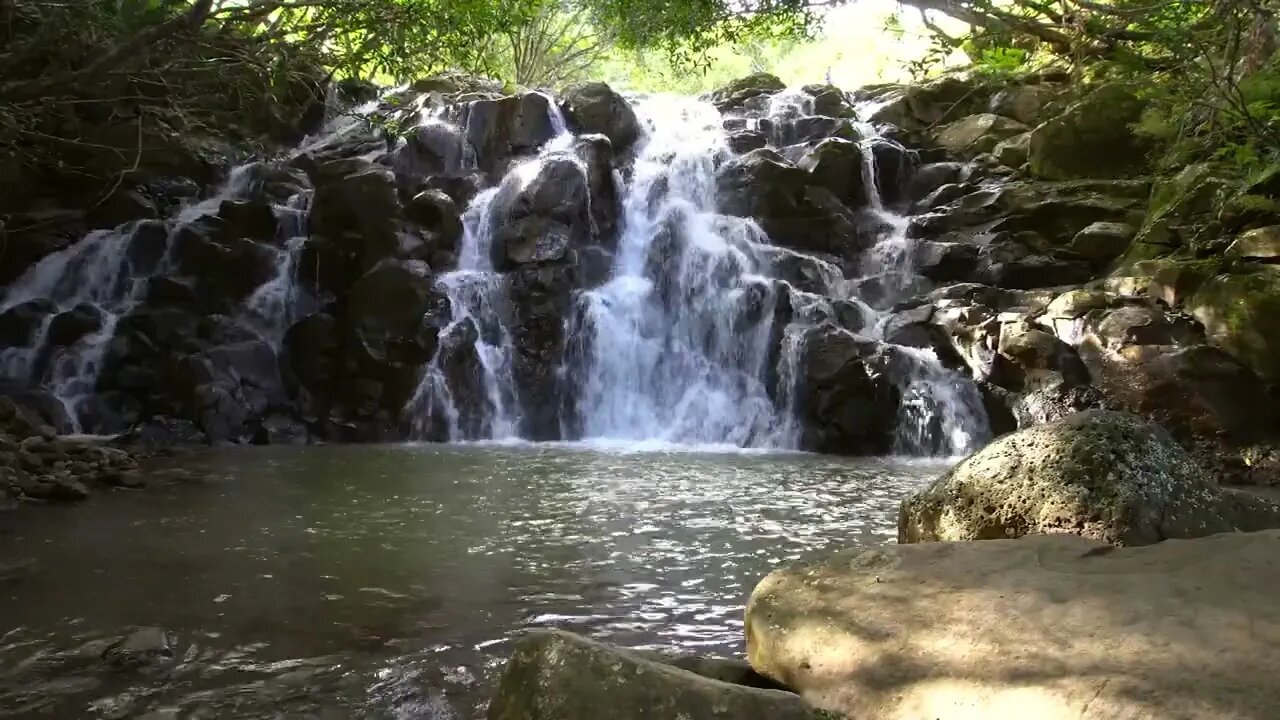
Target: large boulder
385 311
540 299
837 165
595 107
1242 314
1024 103
358 210
555 675
788 203
1103 475
737 93
847 402
1093 138
502 129
1048 627
1262 244
977 134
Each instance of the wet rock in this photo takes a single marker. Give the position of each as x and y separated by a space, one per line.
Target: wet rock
744 141
1103 475
53 488
225 270
434 148
1037 271
252 219
148 242
310 359
1012 152
278 429
437 214
531 240
1141 324
554 675
848 404
70 326
156 433
34 413
928 178
895 168
146 647
946 630
540 299
595 108
505 128
793 211
1258 244
385 311
740 91
219 414
946 261
837 165
597 154
20 323
360 211
941 100
830 100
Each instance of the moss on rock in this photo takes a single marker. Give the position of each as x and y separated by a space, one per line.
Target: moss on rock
1093 138
1104 475
1241 313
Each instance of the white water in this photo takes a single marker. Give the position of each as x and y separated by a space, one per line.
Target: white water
476 294
683 345
676 353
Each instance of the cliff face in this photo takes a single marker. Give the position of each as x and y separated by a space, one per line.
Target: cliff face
1143 289
433 264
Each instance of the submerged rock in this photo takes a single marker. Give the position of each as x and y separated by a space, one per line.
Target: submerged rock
145 647
1103 475
554 675
1049 627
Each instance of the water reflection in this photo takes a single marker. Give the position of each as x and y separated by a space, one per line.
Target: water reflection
385 582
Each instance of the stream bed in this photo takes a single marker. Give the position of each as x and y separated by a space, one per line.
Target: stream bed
388 581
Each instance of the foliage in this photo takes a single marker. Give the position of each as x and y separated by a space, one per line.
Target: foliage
560 44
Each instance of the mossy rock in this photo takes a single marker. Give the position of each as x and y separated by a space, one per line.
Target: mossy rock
1103 475
1093 138
1241 314
1179 208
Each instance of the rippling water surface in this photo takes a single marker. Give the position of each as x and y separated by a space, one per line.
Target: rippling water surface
388 581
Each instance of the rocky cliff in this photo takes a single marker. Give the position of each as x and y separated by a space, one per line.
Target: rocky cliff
892 270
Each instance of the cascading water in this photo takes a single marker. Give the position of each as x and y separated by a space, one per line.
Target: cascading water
105 276
692 337
487 408
941 411
679 339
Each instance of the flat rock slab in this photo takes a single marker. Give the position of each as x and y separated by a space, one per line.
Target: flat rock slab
1044 627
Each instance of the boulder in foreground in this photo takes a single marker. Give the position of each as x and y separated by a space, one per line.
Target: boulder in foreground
1047 627
1105 475
555 675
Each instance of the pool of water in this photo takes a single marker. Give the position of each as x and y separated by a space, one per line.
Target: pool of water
389 581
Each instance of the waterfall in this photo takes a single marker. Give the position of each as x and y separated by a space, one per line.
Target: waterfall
692 327
476 329
475 292
679 338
